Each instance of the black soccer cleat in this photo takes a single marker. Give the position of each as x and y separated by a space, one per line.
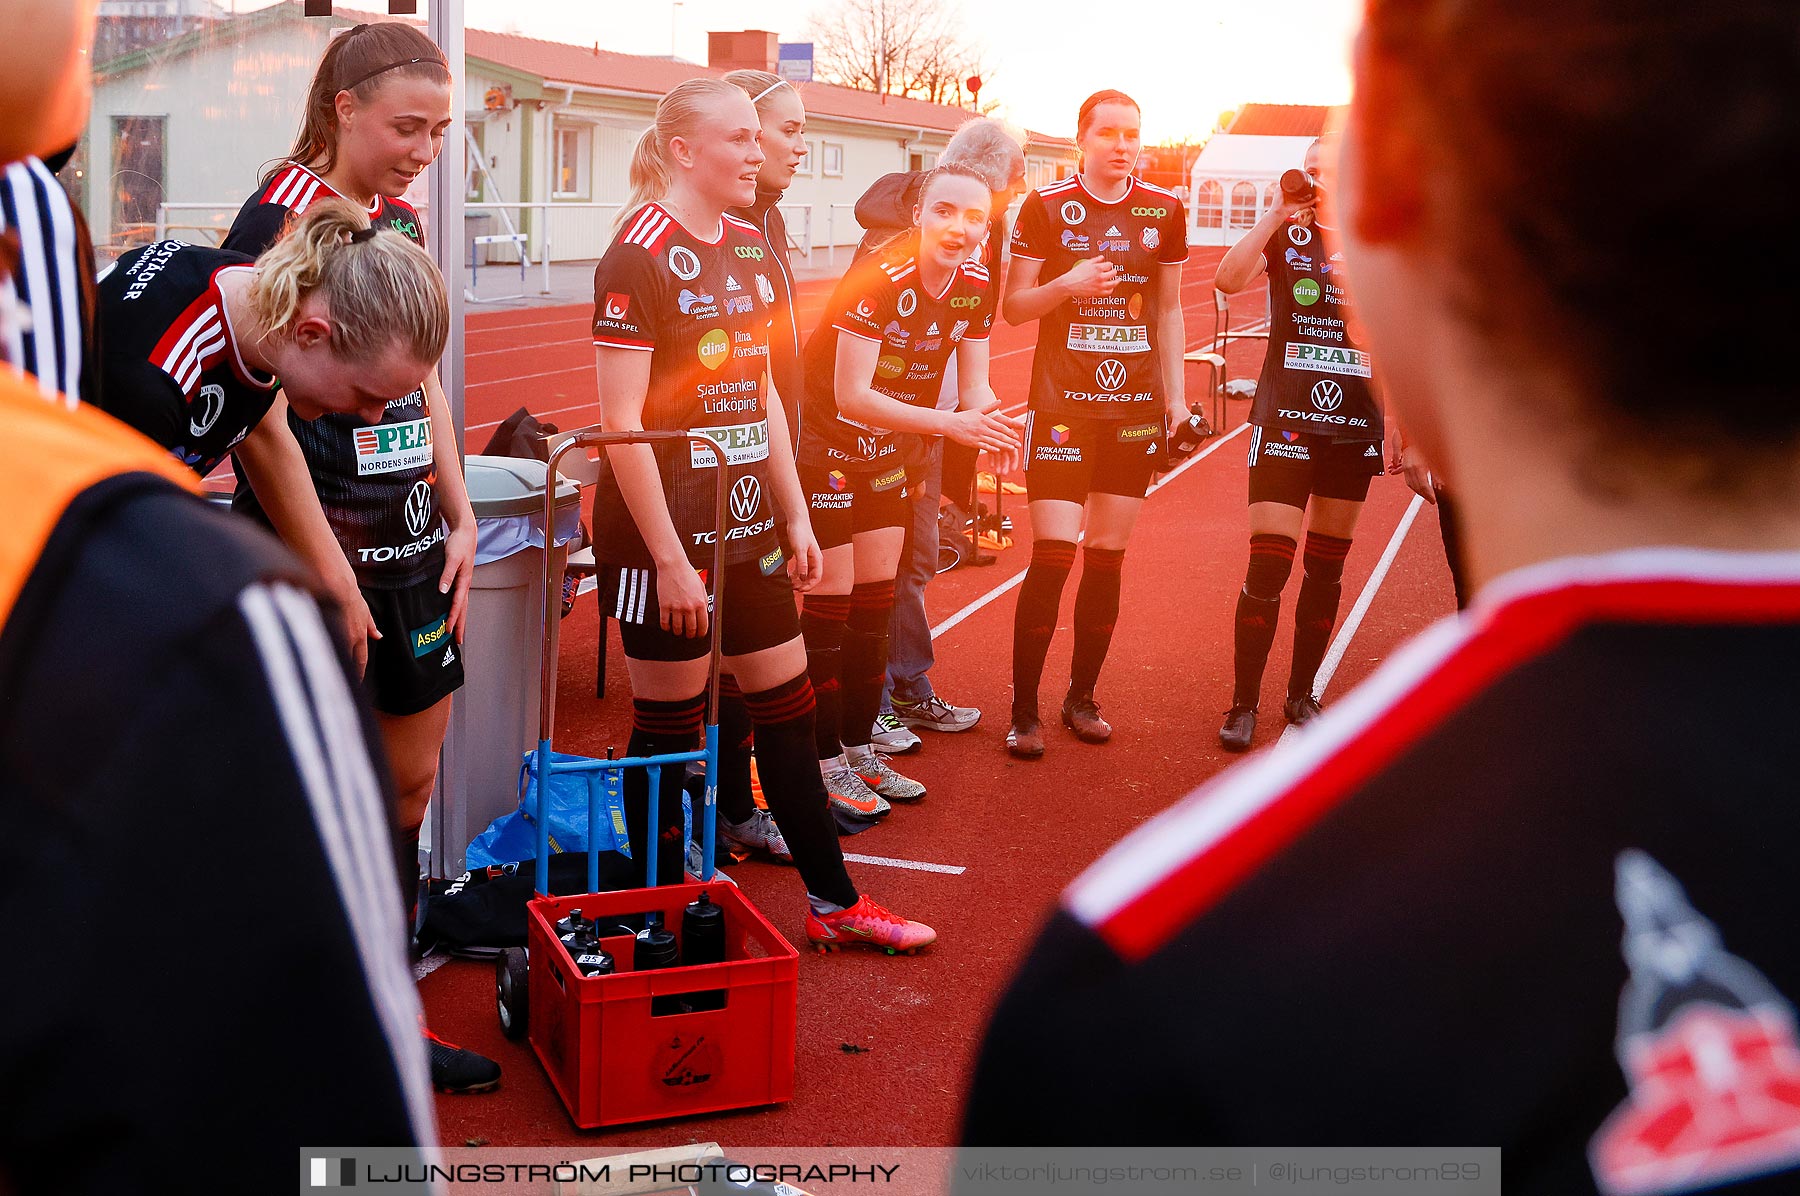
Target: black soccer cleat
1301 710
1240 725
1081 714
458 1070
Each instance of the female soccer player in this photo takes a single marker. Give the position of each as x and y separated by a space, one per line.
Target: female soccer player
681 327
874 368
345 315
1097 263
397 541
1315 442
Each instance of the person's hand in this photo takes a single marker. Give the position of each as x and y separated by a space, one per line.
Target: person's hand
359 627
681 600
1305 209
991 430
1417 474
806 563
459 571
1090 278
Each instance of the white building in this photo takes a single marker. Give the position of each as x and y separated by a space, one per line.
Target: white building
1237 176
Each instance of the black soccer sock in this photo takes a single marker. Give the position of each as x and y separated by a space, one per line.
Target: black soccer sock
657 729
822 627
1096 613
1451 526
783 718
406 866
864 665
735 801
1258 612
1316 611
1034 618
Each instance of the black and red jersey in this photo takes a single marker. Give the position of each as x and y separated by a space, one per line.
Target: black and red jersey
1316 376
170 364
1531 886
376 482
702 310
883 299
1098 358
784 329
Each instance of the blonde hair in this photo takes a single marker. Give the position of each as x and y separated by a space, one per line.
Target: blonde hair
760 86
677 115
379 287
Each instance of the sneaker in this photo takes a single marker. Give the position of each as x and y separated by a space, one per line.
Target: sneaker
935 714
719 876
1025 739
892 736
877 775
1081 714
457 1070
758 833
1240 725
850 794
866 924
1301 710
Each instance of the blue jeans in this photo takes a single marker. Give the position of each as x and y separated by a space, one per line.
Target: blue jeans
909 631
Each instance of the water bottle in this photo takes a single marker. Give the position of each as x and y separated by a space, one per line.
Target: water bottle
1296 185
570 924
702 942
1184 438
655 948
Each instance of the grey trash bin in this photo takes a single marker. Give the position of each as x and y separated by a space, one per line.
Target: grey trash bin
494 721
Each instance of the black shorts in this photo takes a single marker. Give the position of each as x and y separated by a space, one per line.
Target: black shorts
417 662
1290 467
843 504
759 610
1069 458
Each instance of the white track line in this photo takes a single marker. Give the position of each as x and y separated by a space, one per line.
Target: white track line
913 865
1341 645
1018 577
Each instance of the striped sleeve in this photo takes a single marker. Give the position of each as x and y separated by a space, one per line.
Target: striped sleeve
43 326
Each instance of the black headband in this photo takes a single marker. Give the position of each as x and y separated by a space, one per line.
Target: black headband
394 66
363 234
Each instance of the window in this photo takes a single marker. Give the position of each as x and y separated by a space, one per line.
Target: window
831 161
1243 205
573 149
1271 195
473 182
809 165
1209 207
139 170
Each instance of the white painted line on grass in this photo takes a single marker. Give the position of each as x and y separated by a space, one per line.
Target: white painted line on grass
1018 577
1340 645
882 861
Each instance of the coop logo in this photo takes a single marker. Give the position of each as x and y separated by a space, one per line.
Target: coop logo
890 367
746 499
1159 213
684 264
390 448
1073 212
617 306
1110 375
1327 395
909 302
406 228
418 508
967 302
714 347
751 252
212 406
1306 292
1299 234
1059 434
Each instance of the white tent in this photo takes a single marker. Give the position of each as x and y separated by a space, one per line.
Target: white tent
1235 181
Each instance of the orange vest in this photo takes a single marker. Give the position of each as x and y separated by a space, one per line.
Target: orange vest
49 455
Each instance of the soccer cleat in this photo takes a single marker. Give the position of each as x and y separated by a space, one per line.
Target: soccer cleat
934 714
866 924
1025 739
1301 710
458 1070
1081 714
1240 725
892 736
850 794
877 775
758 833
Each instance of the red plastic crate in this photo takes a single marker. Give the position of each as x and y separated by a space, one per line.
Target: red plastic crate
613 1062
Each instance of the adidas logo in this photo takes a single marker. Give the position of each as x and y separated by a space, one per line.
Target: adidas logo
1370 452
449 656
932 331
1114 231
731 284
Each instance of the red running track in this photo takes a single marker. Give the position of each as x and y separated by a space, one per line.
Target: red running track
1021 830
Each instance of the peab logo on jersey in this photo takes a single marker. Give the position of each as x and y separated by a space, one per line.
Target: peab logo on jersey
1708 1047
1325 359
1073 212
418 508
1110 375
746 499
391 448
909 302
1327 395
1299 234
1109 338
617 306
211 406
684 263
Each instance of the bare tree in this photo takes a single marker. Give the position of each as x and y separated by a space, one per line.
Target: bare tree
915 48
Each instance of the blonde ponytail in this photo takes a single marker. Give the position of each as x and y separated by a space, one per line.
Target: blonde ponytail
380 289
678 114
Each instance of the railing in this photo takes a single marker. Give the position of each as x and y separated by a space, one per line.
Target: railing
542 234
